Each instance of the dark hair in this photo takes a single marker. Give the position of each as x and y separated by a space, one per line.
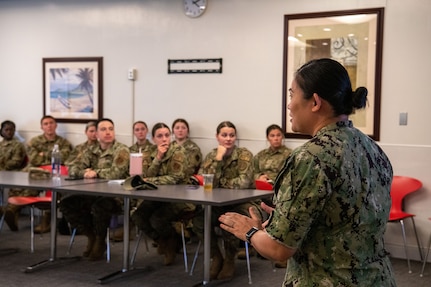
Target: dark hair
90 124
181 121
330 80
158 126
140 122
103 120
5 123
47 117
225 124
273 127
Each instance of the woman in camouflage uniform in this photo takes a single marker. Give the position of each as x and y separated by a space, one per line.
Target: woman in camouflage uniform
268 162
232 168
180 128
332 196
12 157
168 166
90 132
142 144
145 147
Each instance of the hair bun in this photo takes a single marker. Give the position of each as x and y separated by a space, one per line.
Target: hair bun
359 98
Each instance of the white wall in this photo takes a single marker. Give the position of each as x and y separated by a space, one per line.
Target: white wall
247 34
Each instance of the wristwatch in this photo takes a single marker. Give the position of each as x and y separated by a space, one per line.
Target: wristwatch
250 233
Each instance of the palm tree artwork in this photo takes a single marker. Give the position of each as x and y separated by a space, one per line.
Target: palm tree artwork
86 76
72 90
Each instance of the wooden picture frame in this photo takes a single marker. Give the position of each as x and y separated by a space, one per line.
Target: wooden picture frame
73 89
355 39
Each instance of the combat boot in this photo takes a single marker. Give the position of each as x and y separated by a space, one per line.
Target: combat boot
118 234
160 244
91 239
98 249
170 250
11 216
45 225
242 255
216 262
228 268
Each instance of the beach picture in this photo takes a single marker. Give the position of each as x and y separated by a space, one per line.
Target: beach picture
73 88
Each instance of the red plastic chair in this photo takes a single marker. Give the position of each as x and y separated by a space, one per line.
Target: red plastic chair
263 185
401 187
40 202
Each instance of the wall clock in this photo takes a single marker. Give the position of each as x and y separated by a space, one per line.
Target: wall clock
194 8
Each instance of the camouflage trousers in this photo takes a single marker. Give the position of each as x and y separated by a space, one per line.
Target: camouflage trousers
156 218
23 192
90 214
228 238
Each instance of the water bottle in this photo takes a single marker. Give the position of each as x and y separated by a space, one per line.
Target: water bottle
55 161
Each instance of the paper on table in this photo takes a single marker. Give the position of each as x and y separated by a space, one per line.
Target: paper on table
116 181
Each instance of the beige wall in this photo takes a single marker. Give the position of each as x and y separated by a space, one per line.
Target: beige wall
248 35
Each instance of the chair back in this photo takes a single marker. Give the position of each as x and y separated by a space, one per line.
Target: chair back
63 171
402 186
263 185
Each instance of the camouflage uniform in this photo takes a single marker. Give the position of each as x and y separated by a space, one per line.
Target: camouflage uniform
153 217
86 212
12 155
233 172
194 156
39 150
172 169
332 204
78 151
146 149
270 161
39 153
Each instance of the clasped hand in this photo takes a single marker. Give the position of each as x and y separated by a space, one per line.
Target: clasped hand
89 173
239 224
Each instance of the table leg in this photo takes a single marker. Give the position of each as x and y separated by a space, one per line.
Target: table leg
207 244
53 244
53 226
125 270
3 204
126 234
2 221
207 247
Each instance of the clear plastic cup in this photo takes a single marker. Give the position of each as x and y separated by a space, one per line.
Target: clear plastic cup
208 182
